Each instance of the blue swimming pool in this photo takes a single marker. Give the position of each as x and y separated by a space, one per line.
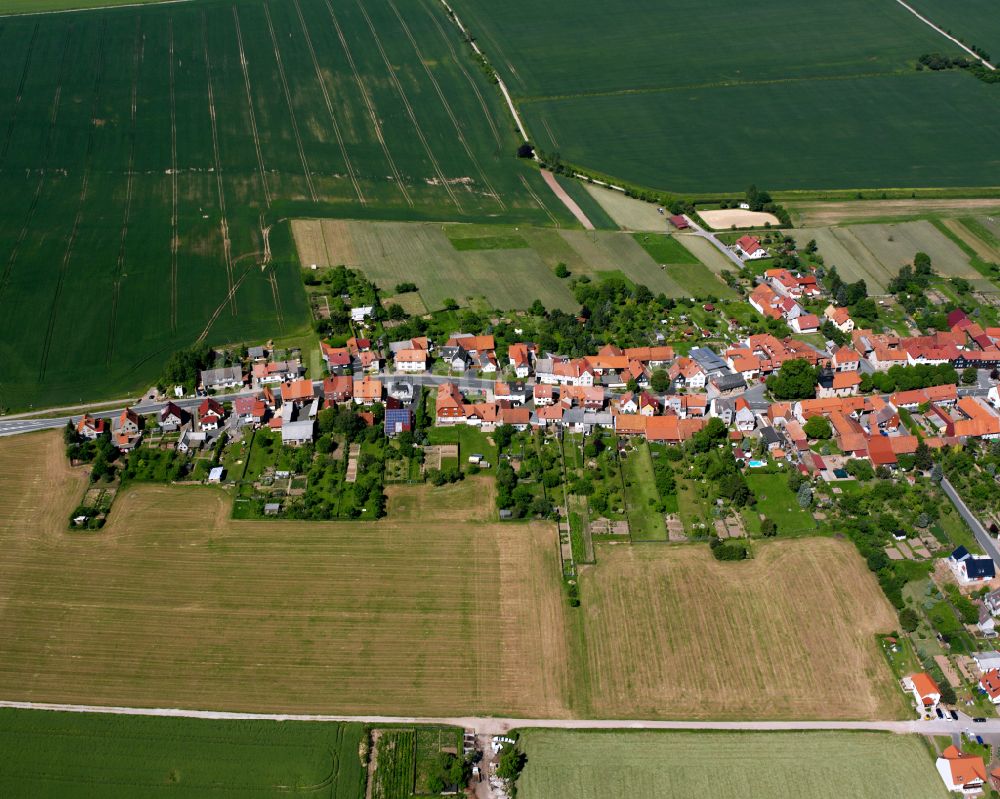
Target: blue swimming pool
756 464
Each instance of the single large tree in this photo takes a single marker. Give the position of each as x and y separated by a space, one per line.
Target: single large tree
795 380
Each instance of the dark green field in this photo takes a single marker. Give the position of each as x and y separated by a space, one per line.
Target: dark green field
975 22
143 152
700 97
68 755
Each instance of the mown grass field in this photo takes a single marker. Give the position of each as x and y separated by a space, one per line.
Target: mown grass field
875 252
738 765
670 631
778 502
174 604
48 754
646 105
145 151
505 266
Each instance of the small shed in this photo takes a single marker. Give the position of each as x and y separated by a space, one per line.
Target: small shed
272 508
215 475
679 222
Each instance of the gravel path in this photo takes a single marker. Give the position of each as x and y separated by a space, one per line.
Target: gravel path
494 726
945 33
568 201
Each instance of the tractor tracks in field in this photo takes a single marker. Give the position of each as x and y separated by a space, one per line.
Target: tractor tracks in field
447 106
329 103
369 104
129 186
20 94
291 108
227 246
174 237
84 186
253 116
409 110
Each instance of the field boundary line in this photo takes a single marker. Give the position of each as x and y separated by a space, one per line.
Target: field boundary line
369 104
84 186
55 11
329 104
129 184
174 238
288 101
227 299
458 61
447 106
272 277
409 109
223 223
947 35
253 116
20 94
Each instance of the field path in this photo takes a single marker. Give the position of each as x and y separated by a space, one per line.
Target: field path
568 201
20 93
253 116
946 35
496 725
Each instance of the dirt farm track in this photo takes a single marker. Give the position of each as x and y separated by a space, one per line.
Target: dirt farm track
433 611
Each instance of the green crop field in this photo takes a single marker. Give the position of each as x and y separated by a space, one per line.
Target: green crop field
67 755
45 6
504 266
975 22
696 97
145 153
724 765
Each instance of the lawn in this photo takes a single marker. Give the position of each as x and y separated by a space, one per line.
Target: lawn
490 264
777 501
646 106
641 497
665 249
726 765
175 604
148 152
69 755
663 631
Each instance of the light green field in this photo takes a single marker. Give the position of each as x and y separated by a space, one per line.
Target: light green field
645 523
876 252
424 253
76 755
737 765
776 501
628 212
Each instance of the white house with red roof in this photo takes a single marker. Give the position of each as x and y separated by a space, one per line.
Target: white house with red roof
925 691
846 360
961 773
990 683
210 414
749 248
805 323
840 317
90 428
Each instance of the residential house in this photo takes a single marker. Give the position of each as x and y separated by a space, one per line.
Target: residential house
250 410
337 389
294 434
367 391
210 414
990 683
519 356
628 403
925 691
543 394
90 428
672 429
969 568
749 248
805 323
514 393
648 404
126 430
222 378
791 284
257 354
727 384
518 418
338 359
297 391
172 417
840 317
411 360
688 373
450 405
401 392
398 420
838 384
961 773
846 360
192 440
564 372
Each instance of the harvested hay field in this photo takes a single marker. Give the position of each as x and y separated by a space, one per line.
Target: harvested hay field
725 218
505 277
816 213
790 634
758 765
628 212
874 253
174 604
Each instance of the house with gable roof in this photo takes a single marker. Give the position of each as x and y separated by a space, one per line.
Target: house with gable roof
961 773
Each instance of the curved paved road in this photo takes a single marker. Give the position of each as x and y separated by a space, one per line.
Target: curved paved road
492 726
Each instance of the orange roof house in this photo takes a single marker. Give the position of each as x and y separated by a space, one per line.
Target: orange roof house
297 390
961 772
367 391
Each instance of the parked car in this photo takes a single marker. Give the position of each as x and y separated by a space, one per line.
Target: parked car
979 740
940 715
954 715
980 721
